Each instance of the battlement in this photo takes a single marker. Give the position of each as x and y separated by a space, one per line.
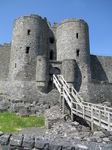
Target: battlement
72 20
31 16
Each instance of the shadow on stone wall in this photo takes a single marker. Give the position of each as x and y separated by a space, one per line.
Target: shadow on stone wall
78 78
97 71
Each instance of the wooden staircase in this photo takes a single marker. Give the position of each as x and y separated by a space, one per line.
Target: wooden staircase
94 113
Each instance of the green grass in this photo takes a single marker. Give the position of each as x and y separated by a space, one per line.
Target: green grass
10 122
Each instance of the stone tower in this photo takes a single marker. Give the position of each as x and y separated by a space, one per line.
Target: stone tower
73 44
29 40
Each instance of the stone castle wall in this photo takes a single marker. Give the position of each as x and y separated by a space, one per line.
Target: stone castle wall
38 51
101 68
4 61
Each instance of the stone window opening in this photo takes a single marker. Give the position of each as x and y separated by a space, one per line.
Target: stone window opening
77 35
51 40
51 56
77 52
29 32
27 50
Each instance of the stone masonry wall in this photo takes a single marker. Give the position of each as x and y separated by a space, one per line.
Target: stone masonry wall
32 37
101 68
26 142
4 61
100 92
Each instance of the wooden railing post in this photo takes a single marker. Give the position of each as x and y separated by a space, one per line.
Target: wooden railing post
100 116
63 104
108 121
92 121
61 97
77 107
104 110
72 114
83 112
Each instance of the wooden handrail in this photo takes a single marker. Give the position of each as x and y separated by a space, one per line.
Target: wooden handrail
95 113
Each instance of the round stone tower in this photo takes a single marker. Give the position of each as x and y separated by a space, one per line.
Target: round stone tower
29 40
73 43
73 40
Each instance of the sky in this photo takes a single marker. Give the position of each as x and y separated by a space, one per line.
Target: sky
97 13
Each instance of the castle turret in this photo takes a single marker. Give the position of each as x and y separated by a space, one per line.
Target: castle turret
73 43
29 39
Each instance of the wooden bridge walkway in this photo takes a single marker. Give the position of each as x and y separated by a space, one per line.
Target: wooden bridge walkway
94 113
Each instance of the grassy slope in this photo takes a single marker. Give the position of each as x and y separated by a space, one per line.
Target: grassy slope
10 122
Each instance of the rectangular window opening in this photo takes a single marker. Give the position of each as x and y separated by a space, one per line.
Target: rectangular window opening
77 35
28 32
27 50
77 52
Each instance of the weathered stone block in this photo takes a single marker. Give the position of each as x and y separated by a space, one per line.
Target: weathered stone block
55 146
28 142
40 144
81 147
4 105
4 139
66 147
24 112
16 139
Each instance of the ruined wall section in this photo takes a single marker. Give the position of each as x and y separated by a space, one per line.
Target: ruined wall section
4 61
28 41
101 68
